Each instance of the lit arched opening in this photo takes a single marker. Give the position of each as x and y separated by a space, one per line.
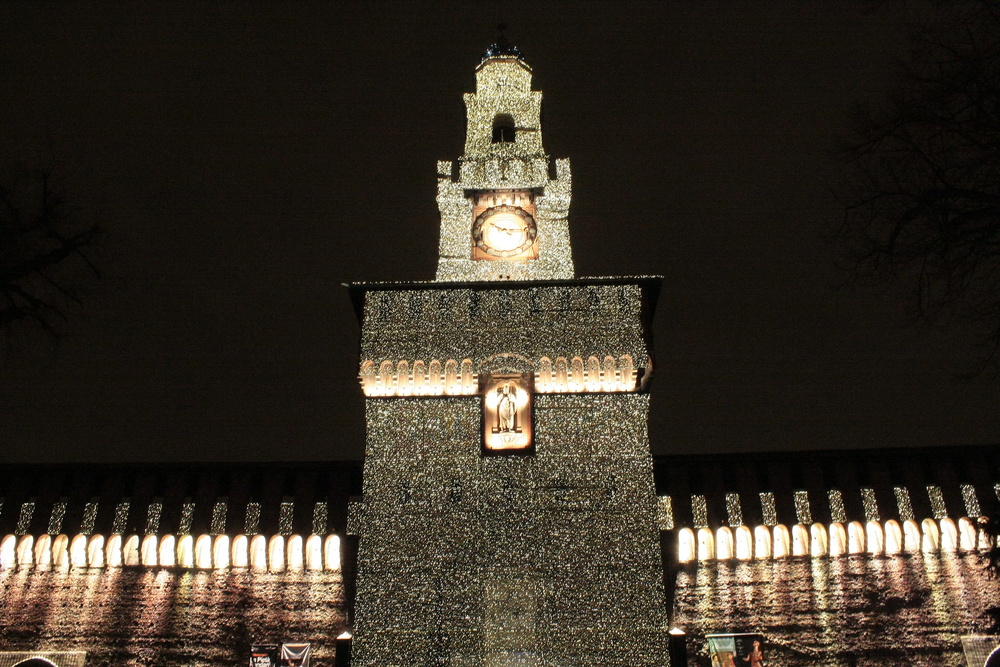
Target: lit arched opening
874 538
95 551
626 373
782 541
60 552
131 552
435 384
893 537
167 551
293 552
706 544
609 374
203 552
78 551
855 538
419 377
576 374
185 551
744 543
8 552
800 540
931 536
544 376
838 539
43 551
367 376
451 385
276 553
147 551
966 534
240 551
403 382
331 552
562 374
949 535
818 541
383 383
593 381
724 547
35 662
314 553
258 552
220 552
687 549
911 536
761 543
468 378
25 549
503 129
113 556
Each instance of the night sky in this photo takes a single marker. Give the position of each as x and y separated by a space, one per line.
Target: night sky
247 159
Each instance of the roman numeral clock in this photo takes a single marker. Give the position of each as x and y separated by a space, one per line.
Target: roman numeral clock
508 513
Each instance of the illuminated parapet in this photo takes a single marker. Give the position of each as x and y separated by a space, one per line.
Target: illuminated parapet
277 554
452 378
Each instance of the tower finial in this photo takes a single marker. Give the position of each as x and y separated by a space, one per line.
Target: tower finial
502 47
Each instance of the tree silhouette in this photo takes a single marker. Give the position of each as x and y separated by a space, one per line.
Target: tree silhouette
46 253
924 191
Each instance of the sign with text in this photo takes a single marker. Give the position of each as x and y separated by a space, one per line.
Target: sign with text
263 655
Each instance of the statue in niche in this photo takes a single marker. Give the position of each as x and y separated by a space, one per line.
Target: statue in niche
506 409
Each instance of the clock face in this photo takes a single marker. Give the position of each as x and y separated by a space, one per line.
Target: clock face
504 231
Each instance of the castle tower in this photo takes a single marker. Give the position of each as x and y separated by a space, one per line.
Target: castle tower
508 515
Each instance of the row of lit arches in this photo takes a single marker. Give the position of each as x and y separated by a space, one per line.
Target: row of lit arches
595 375
433 379
837 539
275 554
401 378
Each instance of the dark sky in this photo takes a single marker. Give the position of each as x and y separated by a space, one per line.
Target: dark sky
246 159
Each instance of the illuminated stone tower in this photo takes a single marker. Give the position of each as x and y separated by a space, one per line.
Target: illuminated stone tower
508 515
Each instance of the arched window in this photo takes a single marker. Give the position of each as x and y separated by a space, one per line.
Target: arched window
686 549
874 537
819 542
782 541
949 535
855 538
706 544
893 537
724 547
911 536
503 129
314 552
744 543
838 539
966 534
931 540
761 543
800 540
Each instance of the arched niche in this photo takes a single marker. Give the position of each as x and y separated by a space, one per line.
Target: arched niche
930 536
874 538
113 551
167 552
221 550
25 551
203 552
593 378
60 552
609 374
949 535
855 538
893 537
131 551
838 539
706 544
331 552
782 541
185 551
43 552
911 536
818 540
147 551
314 553
95 550
294 552
8 552
276 554
744 543
258 553
404 383
800 540
966 534
725 547
78 551
761 543
687 547
239 552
